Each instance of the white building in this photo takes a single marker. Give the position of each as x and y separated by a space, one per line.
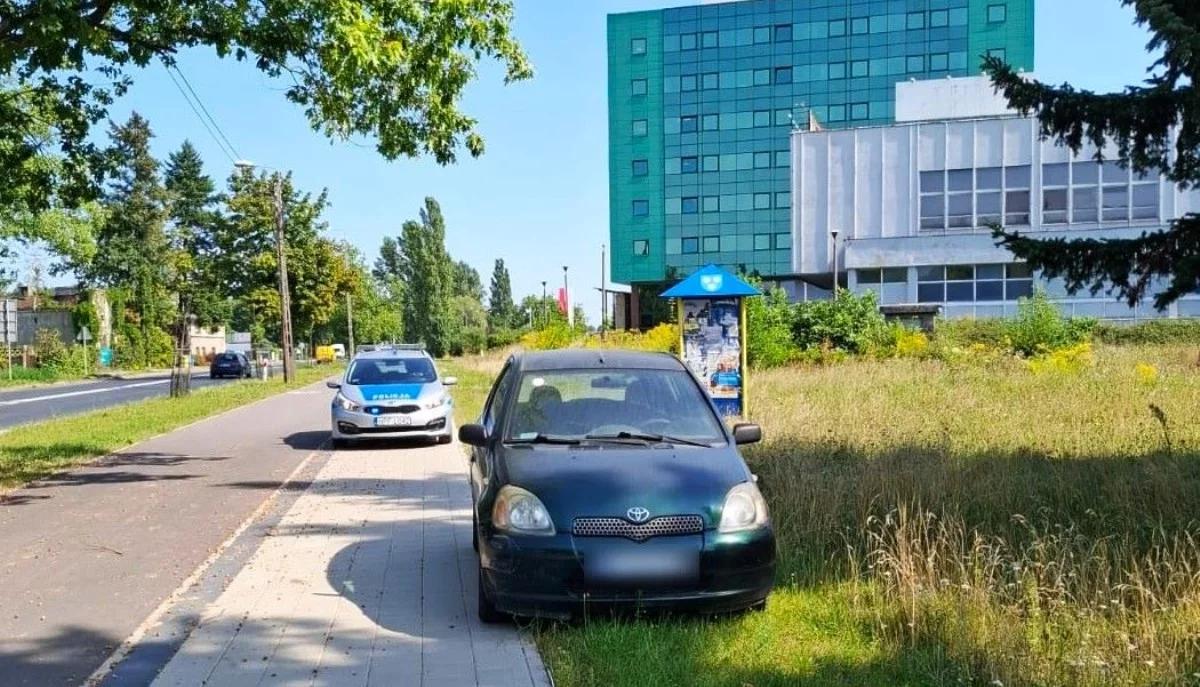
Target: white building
911 204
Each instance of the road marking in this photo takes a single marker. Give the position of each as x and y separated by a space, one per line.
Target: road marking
85 392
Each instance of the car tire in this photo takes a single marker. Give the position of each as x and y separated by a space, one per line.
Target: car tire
758 607
444 439
488 613
340 444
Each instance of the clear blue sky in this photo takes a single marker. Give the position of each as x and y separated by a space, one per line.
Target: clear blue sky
539 197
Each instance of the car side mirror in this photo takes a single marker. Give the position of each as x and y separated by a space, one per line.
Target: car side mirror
472 435
449 381
333 385
746 433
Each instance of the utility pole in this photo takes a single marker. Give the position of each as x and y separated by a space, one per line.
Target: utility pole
603 289
544 322
567 300
835 264
350 325
285 297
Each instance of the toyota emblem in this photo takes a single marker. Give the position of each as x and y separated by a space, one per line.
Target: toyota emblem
638 514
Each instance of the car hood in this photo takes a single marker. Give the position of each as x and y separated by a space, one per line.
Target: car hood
381 393
608 480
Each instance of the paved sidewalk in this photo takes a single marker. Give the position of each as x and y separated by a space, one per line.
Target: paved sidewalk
369 579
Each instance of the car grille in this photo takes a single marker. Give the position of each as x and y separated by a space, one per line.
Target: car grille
662 526
390 410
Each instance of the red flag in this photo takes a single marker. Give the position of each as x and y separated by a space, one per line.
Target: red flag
562 301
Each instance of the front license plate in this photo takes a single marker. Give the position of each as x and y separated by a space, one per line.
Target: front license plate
659 562
395 421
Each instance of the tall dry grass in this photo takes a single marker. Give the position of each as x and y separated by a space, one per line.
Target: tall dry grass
1037 528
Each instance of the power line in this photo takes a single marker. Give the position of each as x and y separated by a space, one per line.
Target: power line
205 109
229 152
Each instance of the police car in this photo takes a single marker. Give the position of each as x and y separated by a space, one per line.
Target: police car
392 391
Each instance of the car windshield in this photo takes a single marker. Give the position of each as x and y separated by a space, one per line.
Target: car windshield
612 403
228 357
391 371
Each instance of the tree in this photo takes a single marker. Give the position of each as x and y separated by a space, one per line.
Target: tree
427 279
1155 129
132 246
195 217
467 282
391 70
502 314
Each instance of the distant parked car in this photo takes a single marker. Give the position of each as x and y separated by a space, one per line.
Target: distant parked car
607 479
231 364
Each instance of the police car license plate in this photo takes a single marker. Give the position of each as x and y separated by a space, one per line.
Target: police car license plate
393 421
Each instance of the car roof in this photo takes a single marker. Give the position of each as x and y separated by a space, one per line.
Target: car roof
391 353
598 359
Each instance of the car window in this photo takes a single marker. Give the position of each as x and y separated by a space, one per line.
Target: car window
496 403
581 402
391 371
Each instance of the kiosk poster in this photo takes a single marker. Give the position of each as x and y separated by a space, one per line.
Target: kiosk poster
712 348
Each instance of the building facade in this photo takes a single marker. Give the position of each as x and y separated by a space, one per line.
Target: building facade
912 204
702 100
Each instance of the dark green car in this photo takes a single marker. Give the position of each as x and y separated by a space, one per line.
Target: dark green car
607 479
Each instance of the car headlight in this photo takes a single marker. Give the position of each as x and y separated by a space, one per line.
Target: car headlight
345 403
519 512
434 403
744 509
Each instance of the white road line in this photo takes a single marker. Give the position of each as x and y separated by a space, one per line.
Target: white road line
85 392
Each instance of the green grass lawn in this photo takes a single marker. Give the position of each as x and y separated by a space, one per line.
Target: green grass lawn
32 451
975 523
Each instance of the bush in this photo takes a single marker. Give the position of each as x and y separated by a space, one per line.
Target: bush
770 319
503 338
966 332
1040 326
664 339
1068 360
555 335
1152 332
56 358
847 323
131 351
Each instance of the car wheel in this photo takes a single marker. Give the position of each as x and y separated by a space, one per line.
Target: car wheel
340 444
487 610
444 439
758 607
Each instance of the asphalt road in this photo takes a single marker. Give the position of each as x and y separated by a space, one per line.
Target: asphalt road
90 554
42 403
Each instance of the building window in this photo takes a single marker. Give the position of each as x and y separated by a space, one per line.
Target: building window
641 247
639 127
837 70
860 68
915 20
710 122
712 244
689 206
998 53
1145 198
939 19
783 158
914 63
859 111
687 82
783 199
641 208
641 168
711 81
690 245
1056 182
762 160
965 198
997 13
762 34
762 242
783 33
688 165
637 46
887 275
711 203
762 201
687 125
939 62
708 39
968 283
762 118
1016 195
687 41
762 77
783 241
783 75
837 27
638 87
860 25
711 163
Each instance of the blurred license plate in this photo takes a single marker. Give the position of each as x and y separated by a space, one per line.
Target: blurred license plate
665 561
398 421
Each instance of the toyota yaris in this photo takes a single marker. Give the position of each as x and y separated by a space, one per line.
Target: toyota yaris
607 478
390 392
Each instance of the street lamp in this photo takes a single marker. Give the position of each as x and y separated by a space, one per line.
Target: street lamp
567 300
835 263
543 308
285 296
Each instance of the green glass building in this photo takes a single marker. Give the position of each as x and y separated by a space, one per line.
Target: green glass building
702 99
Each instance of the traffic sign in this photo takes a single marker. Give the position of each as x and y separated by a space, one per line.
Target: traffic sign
83 336
8 321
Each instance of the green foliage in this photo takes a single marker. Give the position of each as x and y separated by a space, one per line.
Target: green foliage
393 71
848 322
469 326
964 332
503 338
1155 128
1040 326
554 336
770 321
427 275
1150 332
502 314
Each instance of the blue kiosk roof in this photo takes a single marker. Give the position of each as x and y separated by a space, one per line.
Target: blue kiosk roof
711 281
